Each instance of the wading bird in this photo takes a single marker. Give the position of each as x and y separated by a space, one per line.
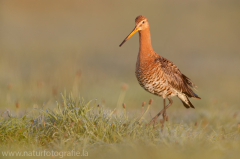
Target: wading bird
158 75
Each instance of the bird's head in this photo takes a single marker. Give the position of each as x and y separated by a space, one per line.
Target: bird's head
141 23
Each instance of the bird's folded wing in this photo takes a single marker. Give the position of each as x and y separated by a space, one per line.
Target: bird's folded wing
175 78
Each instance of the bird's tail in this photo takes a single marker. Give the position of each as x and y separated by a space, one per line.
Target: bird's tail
186 102
189 84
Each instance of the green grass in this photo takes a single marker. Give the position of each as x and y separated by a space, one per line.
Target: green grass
79 125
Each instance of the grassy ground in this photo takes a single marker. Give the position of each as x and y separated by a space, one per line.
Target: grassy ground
84 126
48 48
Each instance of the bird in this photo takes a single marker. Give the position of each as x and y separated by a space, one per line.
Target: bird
157 74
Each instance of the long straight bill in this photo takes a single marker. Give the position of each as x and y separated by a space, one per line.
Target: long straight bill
133 32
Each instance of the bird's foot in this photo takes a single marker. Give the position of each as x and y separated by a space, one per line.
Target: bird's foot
155 118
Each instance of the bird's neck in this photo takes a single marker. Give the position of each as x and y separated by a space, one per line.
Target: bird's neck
145 49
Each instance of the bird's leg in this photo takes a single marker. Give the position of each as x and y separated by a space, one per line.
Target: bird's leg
155 118
164 114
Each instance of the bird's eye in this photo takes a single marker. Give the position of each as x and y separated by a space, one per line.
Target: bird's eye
143 22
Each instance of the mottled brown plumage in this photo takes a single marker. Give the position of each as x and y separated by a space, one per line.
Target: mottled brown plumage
156 74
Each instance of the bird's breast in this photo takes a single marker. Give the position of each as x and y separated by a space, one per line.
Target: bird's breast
150 77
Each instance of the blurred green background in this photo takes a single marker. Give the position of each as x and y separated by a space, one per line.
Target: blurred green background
48 47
